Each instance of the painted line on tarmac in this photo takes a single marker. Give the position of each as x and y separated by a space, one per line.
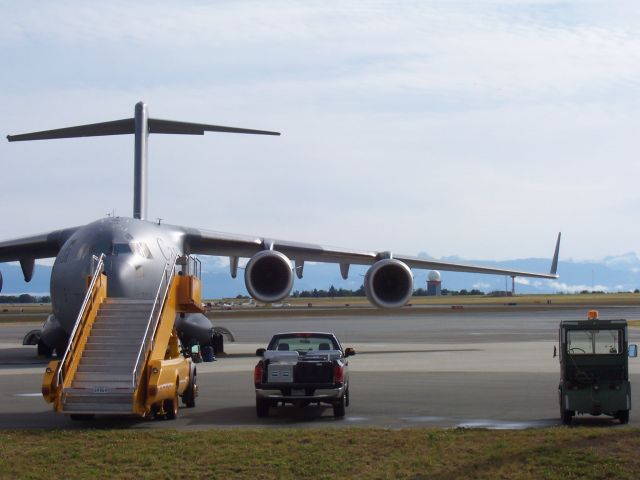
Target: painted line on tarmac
28 395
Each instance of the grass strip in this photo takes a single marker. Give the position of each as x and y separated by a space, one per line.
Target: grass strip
553 453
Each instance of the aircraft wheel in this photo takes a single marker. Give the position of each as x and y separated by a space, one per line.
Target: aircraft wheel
262 408
217 342
338 407
171 406
44 350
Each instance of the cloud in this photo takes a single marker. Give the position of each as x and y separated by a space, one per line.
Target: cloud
407 126
563 287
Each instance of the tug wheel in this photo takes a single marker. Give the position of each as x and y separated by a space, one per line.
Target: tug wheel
623 416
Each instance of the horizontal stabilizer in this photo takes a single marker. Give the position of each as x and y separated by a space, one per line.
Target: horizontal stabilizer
127 125
116 127
186 128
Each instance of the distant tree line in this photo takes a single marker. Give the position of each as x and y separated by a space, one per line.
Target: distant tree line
343 292
24 298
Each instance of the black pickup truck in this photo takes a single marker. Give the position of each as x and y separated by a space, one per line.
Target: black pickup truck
302 368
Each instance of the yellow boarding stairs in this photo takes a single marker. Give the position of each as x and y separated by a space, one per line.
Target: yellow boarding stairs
124 356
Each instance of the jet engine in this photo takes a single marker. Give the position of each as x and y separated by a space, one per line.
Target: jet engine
268 276
0 281
388 283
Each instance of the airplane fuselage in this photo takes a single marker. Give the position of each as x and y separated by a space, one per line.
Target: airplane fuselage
136 252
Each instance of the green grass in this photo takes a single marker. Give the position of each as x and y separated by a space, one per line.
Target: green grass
554 453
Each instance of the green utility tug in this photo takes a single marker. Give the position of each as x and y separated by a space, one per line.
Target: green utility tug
594 368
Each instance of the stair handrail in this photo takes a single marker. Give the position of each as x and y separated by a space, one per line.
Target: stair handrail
97 265
154 316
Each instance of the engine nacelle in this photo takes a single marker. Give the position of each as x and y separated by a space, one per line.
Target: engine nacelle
0 281
269 276
389 283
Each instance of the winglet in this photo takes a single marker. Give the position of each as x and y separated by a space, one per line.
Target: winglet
554 262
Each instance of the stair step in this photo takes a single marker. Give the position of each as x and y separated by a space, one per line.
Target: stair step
94 386
127 329
123 371
107 355
103 393
115 347
126 306
124 318
102 319
113 302
113 340
126 359
102 377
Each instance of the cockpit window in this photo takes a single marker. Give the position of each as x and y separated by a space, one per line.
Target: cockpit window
121 249
141 248
594 342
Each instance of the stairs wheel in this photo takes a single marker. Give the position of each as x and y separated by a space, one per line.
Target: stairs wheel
171 406
156 412
190 394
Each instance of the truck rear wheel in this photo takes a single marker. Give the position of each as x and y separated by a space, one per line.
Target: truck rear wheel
567 416
262 408
338 407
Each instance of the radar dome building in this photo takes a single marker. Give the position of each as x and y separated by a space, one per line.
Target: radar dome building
434 283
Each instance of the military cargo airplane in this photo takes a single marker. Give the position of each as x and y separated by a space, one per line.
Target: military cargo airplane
136 250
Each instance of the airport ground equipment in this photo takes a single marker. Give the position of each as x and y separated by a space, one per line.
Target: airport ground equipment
300 369
124 356
594 368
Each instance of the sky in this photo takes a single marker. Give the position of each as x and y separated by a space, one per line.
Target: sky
470 128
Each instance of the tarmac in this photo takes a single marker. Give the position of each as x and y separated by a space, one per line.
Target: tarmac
440 369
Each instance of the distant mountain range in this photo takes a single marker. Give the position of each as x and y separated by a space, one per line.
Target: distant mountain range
611 274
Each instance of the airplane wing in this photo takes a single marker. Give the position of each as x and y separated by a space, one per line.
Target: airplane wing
224 244
27 249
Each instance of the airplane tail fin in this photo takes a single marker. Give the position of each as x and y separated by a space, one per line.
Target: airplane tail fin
554 262
141 126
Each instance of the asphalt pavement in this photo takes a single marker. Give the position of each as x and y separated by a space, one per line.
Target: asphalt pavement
462 369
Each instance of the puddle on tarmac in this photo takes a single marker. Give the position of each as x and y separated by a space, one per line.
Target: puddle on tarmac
506 425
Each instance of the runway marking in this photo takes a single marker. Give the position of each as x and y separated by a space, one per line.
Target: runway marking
28 395
425 419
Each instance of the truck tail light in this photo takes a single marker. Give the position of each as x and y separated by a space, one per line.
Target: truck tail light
257 374
338 374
